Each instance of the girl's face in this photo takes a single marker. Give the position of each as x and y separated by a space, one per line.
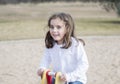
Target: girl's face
57 30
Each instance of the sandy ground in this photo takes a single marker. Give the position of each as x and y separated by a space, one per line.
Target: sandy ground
19 60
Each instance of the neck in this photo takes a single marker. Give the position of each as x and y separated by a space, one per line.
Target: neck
59 43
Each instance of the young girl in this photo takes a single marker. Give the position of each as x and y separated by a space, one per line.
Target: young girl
64 51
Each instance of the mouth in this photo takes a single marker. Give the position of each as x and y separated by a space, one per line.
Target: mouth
56 35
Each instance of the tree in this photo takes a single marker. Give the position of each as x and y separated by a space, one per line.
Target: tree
111 5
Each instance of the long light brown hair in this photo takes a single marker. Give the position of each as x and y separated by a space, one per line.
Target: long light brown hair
69 24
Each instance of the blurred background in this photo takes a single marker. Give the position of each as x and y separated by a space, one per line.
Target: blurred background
26 19
23 25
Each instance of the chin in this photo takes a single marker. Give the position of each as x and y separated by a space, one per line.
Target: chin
56 39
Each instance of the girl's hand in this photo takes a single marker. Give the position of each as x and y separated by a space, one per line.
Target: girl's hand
40 72
63 77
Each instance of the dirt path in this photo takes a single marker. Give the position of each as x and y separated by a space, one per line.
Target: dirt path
19 60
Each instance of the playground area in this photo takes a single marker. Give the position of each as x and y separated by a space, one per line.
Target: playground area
22 32
19 60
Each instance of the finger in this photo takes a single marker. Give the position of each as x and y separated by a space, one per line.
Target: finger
63 78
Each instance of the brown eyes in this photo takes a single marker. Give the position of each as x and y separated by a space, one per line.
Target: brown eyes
52 27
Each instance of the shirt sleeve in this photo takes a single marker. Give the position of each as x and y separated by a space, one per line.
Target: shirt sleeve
82 64
46 60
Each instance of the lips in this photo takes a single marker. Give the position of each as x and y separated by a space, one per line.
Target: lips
55 35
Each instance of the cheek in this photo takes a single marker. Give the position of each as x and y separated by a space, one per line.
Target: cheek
50 32
64 31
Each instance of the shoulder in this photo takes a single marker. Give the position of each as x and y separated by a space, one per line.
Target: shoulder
77 42
74 40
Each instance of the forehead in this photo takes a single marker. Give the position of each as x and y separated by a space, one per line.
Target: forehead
57 21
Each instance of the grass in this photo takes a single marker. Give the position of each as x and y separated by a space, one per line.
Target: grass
28 21
98 27
21 30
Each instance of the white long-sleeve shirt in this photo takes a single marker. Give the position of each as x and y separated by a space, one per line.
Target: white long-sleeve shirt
72 61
